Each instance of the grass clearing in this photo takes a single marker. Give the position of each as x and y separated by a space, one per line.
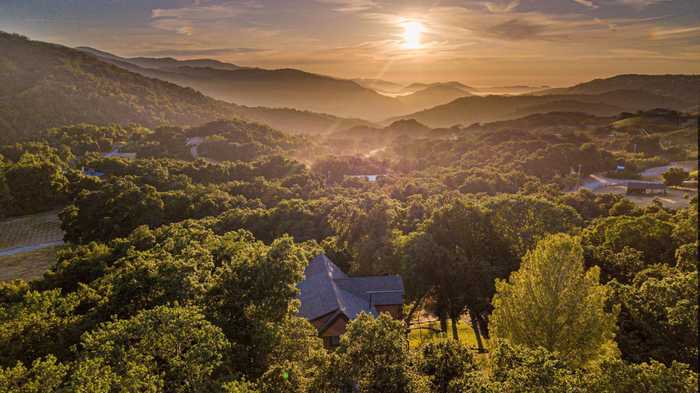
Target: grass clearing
32 229
28 265
418 337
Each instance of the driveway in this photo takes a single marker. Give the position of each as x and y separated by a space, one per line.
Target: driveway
22 249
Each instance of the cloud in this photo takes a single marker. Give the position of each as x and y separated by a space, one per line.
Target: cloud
517 29
185 30
638 3
183 20
350 5
587 3
501 8
678 32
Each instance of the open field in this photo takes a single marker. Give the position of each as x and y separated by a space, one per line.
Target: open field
28 245
28 265
30 230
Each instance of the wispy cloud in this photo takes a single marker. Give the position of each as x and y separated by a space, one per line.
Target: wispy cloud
517 29
350 5
676 32
183 20
502 7
587 3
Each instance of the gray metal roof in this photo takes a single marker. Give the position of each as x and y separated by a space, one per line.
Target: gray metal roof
645 185
326 289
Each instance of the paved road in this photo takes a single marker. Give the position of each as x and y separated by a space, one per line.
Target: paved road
22 249
656 172
596 181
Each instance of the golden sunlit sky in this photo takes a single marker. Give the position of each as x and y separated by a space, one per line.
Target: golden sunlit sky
480 43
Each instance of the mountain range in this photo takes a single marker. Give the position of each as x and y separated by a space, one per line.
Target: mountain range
45 85
682 87
601 97
285 88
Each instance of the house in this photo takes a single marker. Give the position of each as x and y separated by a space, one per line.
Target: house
369 178
116 153
643 187
330 299
92 172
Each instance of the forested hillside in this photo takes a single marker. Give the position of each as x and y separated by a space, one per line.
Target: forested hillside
44 85
270 88
468 110
682 87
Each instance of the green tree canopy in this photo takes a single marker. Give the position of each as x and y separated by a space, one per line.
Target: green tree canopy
551 302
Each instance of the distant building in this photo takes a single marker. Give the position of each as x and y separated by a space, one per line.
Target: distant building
370 178
92 172
194 141
690 183
645 187
330 299
116 153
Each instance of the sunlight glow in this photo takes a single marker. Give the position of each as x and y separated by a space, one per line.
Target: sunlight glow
412 35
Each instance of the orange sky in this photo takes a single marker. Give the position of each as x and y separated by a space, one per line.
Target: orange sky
480 43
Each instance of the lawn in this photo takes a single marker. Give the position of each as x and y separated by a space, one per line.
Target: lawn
31 229
417 337
28 265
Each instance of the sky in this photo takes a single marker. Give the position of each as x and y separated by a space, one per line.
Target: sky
479 43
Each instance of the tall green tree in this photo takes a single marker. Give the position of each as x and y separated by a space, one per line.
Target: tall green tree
462 255
551 302
365 226
659 316
524 220
35 184
445 361
171 349
373 357
675 176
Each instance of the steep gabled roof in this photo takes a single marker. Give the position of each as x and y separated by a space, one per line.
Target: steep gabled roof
326 289
379 290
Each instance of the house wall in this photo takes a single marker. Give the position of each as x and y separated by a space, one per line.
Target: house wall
395 310
337 328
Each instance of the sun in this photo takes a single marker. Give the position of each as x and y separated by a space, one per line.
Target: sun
412 32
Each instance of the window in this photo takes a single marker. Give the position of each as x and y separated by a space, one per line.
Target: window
331 341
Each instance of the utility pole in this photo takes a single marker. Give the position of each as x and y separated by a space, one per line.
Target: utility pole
579 178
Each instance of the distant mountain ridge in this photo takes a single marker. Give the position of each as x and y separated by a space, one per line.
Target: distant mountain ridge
291 88
474 109
683 87
279 88
162 62
435 93
44 85
414 87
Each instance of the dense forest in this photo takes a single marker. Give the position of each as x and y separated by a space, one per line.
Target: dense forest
186 239
167 249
